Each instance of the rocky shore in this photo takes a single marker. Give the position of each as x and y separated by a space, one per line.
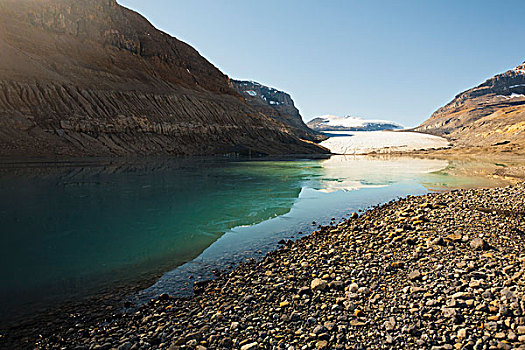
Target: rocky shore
440 271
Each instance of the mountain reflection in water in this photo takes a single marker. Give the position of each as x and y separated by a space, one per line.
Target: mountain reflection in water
71 230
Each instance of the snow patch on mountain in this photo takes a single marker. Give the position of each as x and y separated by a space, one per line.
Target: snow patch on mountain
350 123
513 95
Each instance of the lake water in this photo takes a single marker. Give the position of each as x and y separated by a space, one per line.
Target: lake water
70 230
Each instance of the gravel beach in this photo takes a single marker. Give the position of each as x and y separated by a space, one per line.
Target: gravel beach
440 271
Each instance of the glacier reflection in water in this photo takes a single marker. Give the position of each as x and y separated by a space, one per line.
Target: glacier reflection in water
334 188
71 230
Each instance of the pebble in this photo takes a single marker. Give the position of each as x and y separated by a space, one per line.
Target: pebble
478 244
318 284
414 275
250 346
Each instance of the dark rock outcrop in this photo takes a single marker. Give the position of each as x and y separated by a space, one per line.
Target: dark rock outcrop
276 104
82 78
492 113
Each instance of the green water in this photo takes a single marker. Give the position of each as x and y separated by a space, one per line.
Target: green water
72 230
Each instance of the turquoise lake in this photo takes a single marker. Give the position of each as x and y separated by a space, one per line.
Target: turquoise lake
71 230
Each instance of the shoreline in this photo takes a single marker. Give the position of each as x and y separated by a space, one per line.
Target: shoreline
304 293
22 330
109 303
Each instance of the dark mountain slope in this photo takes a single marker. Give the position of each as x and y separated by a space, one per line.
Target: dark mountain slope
91 77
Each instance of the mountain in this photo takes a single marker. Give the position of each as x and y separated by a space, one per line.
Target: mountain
276 104
90 77
490 114
335 123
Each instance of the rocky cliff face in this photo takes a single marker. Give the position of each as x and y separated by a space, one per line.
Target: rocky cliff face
490 114
276 104
81 78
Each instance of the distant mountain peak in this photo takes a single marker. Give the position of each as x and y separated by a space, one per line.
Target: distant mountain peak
276 104
350 123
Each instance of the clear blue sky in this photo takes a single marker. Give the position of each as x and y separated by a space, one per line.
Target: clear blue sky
395 60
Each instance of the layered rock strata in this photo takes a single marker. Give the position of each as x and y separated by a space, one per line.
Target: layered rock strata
80 78
490 114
